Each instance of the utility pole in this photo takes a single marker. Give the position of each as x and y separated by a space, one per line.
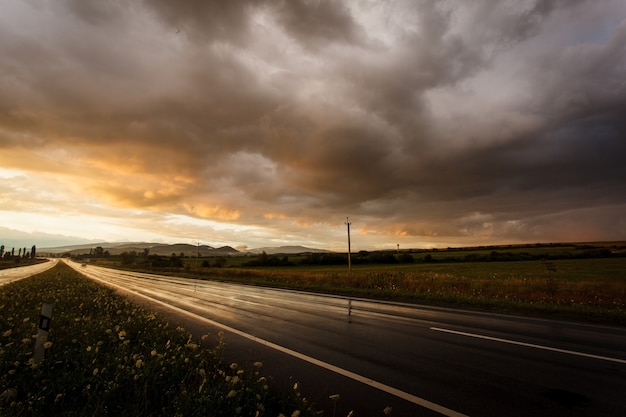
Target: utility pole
197 254
349 262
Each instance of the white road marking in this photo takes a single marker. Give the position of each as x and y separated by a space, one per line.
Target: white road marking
362 379
513 342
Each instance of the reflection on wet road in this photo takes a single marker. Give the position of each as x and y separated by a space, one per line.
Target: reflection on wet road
438 361
21 272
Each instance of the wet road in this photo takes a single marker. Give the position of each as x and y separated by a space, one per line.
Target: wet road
13 274
420 361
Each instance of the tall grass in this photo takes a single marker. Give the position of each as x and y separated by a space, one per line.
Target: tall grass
107 356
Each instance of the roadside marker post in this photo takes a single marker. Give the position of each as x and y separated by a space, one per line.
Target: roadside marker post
350 311
42 332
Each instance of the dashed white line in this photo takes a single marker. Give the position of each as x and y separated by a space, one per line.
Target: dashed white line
531 345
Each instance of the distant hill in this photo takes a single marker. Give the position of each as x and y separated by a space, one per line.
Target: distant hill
154 249
18 239
287 250
177 248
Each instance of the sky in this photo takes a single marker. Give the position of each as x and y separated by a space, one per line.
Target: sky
258 123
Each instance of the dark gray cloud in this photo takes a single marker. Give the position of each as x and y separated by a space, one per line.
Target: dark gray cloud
430 121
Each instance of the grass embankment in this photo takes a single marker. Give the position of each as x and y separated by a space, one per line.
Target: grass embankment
15 261
590 290
107 356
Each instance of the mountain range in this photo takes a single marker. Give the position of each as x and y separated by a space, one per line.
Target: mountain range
169 249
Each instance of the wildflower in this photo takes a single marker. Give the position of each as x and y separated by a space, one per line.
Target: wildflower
387 411
95 372
7 333
233 366
334 397
231 394
26 340
89 348
139 363
26 319
295 413
153 353
192 346
295 386
47 345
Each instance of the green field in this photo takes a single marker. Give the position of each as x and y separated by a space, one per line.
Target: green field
573 282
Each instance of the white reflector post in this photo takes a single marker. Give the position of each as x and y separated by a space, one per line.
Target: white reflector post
42 333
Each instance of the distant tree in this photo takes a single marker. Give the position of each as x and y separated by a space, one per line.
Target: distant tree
128 258
19 253
1 251
219 262
405 258
12 251
175 261
98 252
33 252
146 252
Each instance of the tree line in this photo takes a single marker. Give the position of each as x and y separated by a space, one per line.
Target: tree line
21 253
388 257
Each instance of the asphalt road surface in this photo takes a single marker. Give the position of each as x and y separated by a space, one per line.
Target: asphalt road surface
13 274
420 361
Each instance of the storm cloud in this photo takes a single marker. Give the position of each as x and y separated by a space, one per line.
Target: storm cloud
428 123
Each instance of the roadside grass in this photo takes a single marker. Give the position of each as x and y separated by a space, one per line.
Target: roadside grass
590 290
107 356
17 261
